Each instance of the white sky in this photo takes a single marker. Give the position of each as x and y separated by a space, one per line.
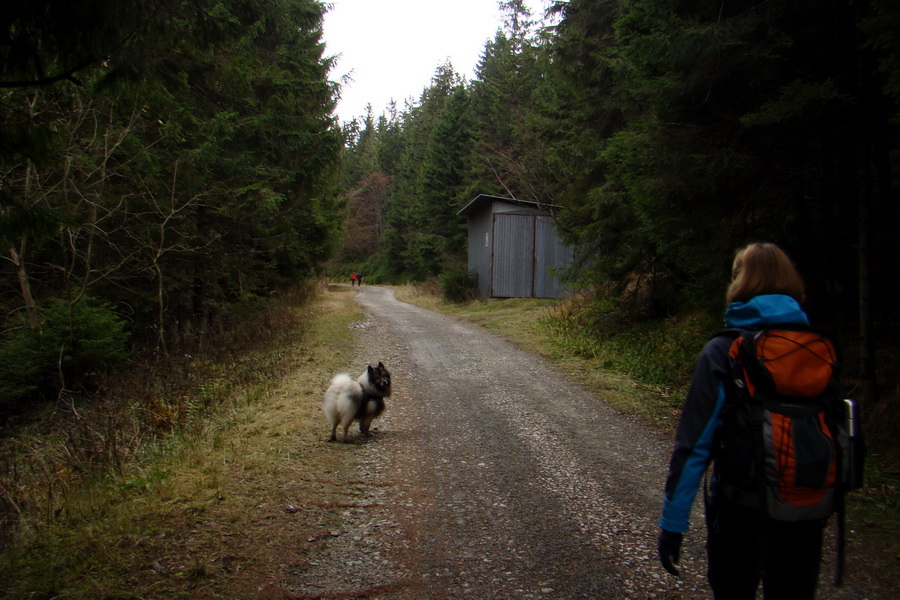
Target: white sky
391 48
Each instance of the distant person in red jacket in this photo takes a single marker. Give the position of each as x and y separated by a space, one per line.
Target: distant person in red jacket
352 278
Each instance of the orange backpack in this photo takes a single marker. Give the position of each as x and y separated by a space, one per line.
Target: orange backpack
790 444
786 446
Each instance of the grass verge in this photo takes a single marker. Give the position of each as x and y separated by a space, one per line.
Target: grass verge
203 512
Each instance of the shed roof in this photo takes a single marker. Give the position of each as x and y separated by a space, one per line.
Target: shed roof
482 199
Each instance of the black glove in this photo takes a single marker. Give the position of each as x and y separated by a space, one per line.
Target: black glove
670 550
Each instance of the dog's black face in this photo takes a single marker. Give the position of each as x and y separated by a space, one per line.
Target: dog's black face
380 377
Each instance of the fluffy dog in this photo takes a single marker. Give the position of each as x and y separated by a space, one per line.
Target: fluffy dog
361 400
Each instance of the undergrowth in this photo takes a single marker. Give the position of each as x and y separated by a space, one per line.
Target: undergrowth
114 495
655 352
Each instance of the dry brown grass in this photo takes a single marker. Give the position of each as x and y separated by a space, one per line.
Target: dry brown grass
210 512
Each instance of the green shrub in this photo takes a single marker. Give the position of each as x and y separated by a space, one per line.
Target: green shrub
657 352
459 285
73 341
19 364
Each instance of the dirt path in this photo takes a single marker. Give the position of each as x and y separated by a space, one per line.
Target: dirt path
492 476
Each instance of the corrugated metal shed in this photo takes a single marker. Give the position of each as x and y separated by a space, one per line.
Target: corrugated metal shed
515 249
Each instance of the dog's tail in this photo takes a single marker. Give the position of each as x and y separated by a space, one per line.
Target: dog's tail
342 380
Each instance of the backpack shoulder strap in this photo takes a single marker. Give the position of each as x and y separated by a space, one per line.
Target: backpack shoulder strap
738 339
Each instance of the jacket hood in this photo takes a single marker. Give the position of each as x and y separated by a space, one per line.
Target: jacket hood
764 311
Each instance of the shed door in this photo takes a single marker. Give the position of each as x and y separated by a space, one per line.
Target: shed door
512 263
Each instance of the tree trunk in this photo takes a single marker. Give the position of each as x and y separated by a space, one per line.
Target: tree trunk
18 260
160 307
24 285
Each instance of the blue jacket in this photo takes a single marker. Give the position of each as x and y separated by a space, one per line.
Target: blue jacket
700 420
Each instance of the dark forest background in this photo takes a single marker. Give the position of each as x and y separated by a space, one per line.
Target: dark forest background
167 166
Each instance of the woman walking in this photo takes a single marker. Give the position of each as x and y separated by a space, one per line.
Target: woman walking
744 545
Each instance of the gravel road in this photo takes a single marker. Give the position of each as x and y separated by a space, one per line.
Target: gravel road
492 476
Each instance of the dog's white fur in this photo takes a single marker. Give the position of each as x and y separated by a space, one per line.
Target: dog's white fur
343 399
340 402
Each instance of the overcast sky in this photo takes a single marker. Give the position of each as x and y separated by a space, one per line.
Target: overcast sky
391 48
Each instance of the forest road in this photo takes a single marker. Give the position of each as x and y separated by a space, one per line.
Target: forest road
492 476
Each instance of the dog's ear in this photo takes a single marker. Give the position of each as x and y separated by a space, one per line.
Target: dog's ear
380 365
369 369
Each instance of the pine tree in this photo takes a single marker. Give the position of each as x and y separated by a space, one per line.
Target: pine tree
194 166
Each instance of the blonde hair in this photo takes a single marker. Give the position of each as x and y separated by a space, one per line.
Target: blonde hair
763 268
